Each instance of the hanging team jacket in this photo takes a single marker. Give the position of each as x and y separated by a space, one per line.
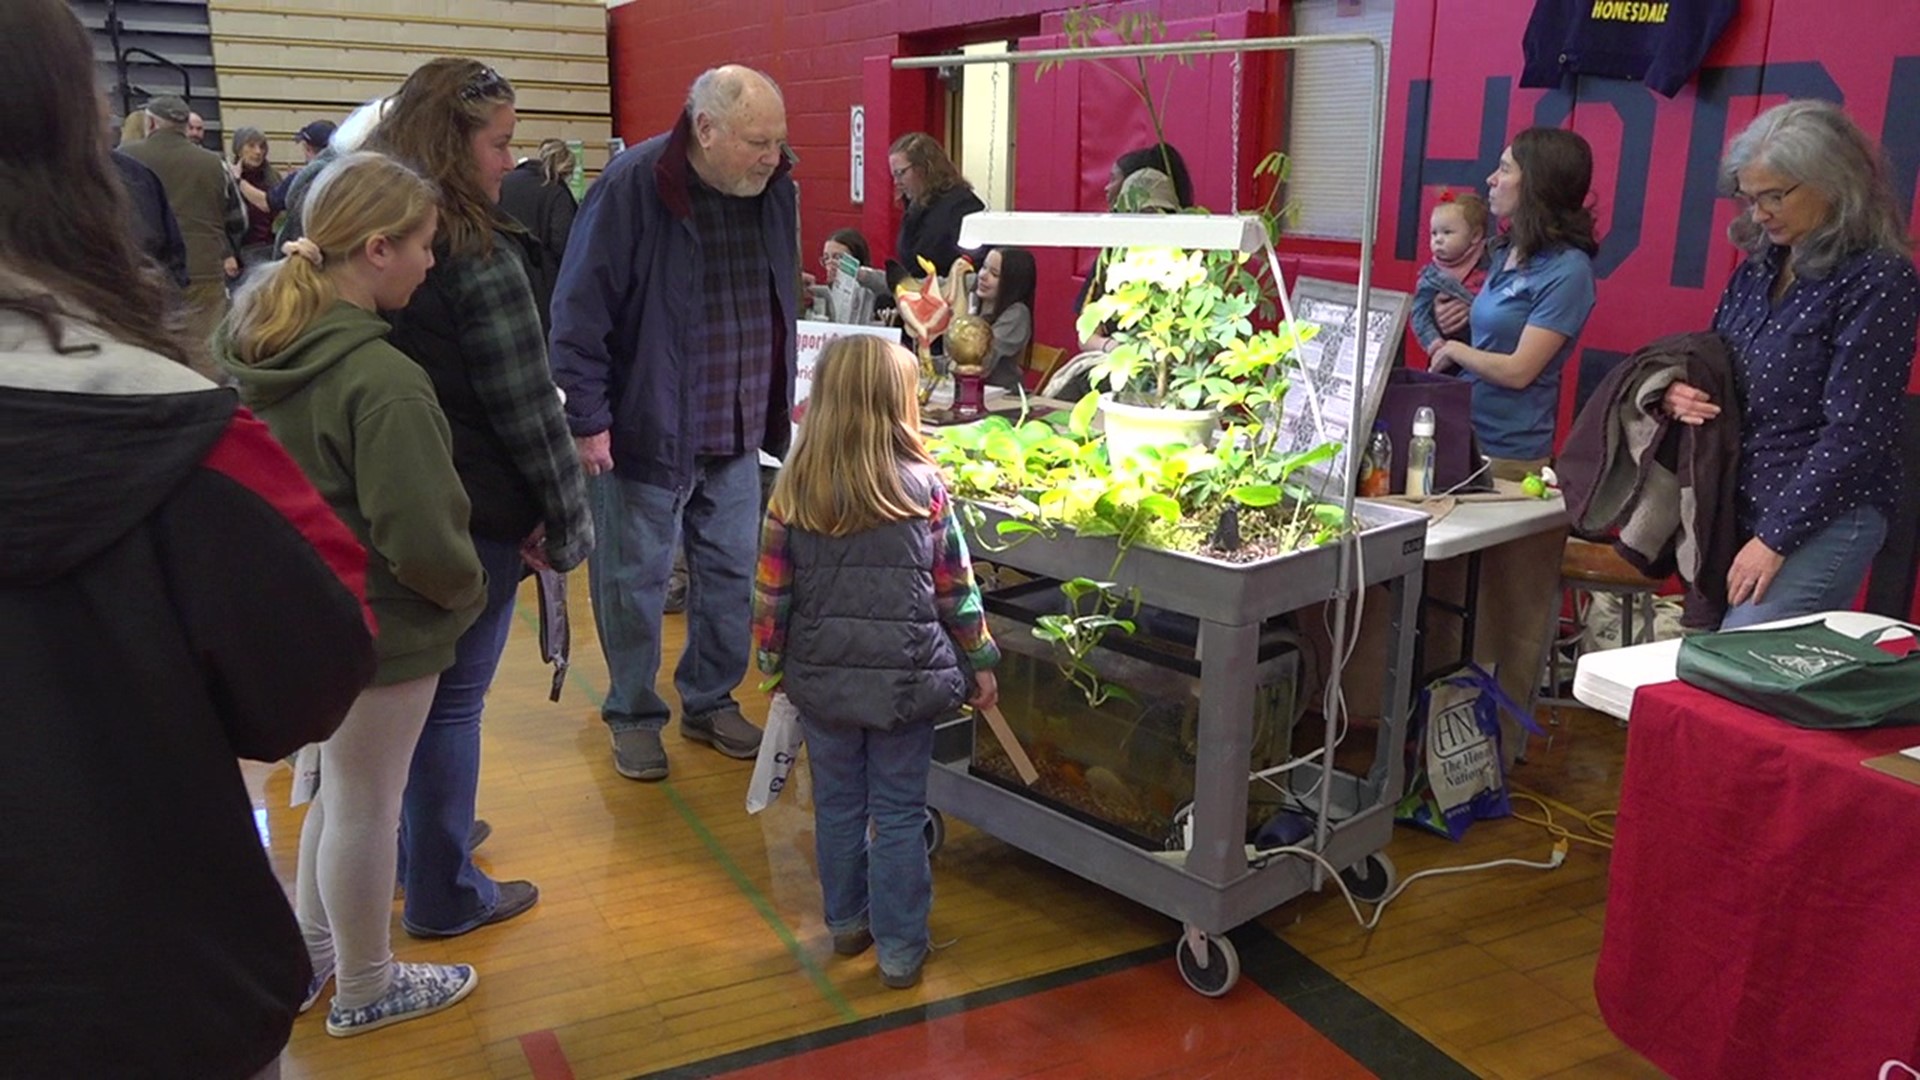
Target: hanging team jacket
177 596
1658 41
1665 487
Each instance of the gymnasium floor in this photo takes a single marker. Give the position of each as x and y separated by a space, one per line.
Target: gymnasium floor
677 936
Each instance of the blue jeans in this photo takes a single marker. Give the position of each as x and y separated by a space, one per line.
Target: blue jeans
636 526
860 775
445 891
1823 574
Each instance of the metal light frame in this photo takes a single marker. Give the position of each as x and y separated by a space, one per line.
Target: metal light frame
1099 230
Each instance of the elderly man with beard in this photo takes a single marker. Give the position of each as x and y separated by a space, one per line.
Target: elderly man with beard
673 340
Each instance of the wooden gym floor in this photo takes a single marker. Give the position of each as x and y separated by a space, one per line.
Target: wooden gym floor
678 936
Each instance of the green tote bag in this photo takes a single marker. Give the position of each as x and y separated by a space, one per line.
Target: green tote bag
1809 675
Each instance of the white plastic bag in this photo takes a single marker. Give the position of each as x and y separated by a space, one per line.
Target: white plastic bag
306 774
779 749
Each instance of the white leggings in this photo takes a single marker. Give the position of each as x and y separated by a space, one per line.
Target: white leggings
349 844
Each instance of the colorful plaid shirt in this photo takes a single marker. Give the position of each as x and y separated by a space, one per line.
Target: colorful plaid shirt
506 356
955 595
733 342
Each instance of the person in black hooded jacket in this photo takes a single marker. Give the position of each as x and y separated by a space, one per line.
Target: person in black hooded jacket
536 195
181 596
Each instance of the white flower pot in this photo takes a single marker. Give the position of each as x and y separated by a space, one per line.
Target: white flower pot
1130 427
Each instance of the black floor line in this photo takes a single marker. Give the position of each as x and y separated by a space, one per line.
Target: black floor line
1366 1032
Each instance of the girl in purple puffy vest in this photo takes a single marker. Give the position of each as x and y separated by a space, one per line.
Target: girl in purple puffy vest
865 605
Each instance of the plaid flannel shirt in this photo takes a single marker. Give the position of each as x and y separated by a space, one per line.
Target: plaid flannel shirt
506 354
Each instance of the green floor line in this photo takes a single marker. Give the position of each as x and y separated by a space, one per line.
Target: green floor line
740 879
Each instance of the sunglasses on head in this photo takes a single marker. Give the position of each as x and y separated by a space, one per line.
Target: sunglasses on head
485 83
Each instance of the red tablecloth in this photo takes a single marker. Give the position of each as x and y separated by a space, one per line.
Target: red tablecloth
1763 906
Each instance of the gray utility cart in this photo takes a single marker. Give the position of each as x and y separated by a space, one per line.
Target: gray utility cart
1212 887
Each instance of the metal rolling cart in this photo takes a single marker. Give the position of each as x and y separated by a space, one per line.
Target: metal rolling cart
1212 886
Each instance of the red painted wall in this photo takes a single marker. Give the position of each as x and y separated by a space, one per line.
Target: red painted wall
1451 106
828 56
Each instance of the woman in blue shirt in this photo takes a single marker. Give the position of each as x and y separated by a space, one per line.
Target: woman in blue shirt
1821 320
1529 313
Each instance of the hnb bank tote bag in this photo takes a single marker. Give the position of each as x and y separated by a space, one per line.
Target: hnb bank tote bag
1810 675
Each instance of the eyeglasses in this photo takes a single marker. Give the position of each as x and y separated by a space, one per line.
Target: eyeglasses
1770 201
901 173
485 83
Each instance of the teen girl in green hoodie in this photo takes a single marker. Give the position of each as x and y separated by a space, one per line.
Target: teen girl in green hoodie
308 348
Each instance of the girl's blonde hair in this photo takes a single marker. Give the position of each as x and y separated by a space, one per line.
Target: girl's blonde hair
862 424
357 198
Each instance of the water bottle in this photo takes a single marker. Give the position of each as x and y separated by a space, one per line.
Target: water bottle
1420 453
1376 471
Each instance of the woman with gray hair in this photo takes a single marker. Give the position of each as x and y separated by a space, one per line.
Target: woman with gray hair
250 169
1820 319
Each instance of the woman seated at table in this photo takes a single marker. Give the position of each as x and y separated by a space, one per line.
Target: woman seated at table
1821 320
849 243
1535 301
1003 295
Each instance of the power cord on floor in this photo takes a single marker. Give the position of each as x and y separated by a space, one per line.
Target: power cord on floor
1553 861
1601 834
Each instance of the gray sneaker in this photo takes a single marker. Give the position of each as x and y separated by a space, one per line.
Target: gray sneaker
724 729
638 755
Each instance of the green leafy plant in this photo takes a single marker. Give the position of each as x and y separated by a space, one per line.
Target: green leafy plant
1054 474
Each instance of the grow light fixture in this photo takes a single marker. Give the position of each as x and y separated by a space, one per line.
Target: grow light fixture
1189 232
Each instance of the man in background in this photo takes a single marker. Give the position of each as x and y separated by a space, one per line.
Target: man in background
197 183
312 140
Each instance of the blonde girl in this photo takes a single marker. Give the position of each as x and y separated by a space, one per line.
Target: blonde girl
308 347
865 604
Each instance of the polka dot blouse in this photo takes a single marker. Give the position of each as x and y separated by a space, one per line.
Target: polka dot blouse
1821 375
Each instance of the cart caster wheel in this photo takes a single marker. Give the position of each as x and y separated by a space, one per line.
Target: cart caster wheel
935 832
1371 879
1221 972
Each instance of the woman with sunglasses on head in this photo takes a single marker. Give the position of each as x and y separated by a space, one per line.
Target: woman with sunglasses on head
1820 318
473 326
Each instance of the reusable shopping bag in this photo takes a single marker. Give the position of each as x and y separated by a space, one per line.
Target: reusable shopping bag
779 749
1453 751
1808 674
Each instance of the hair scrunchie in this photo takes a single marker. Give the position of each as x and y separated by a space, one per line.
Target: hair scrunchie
304 248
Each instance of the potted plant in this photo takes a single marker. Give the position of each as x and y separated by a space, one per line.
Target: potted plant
1183 333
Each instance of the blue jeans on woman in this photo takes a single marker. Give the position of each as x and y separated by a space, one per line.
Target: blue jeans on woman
446 893
1822 574
886 885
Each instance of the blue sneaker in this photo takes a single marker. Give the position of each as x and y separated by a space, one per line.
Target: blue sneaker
417 990
321 976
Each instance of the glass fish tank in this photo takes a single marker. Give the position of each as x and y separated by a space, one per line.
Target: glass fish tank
1126 765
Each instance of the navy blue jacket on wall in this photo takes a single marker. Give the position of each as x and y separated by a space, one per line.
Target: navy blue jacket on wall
1662 43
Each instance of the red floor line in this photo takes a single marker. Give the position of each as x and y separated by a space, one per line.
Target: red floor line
545 1057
